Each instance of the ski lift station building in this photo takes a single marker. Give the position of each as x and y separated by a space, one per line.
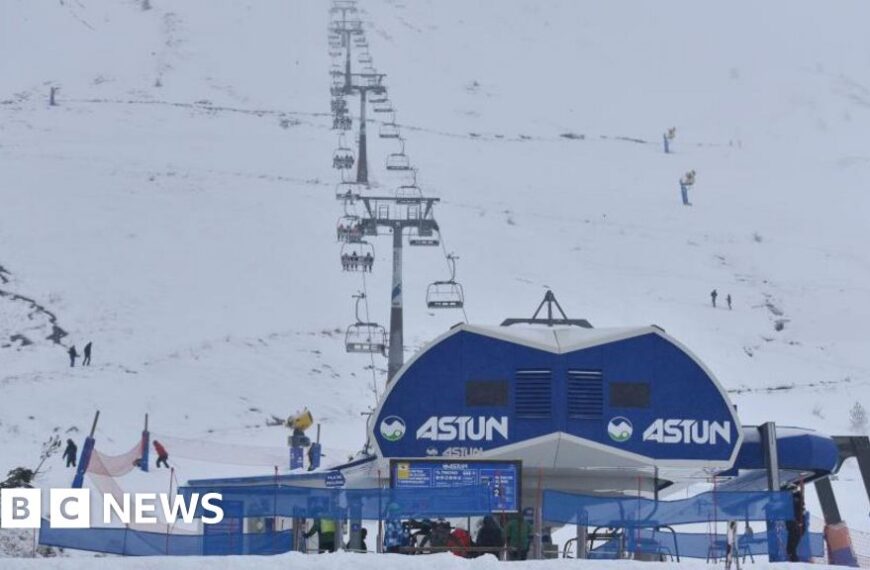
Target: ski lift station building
588 410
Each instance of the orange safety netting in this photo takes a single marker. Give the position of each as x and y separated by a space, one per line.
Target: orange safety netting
225 453
115 465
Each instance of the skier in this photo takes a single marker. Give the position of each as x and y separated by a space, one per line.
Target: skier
70 453
325 530
354 261
686 182
796 526
668 137
368 262
459 542
73 354
396 534
518 533
490 535
713 295
162 454
363 533
86 361
728 300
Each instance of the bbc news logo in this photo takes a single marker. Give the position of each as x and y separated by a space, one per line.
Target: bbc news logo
71 508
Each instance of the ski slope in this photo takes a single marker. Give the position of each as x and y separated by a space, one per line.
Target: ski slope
176 207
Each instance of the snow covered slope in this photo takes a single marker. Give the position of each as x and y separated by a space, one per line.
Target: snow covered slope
177 206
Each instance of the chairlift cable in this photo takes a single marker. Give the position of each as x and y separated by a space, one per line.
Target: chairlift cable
371 355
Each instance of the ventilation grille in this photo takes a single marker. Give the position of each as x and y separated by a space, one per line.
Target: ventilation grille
533 393
585 394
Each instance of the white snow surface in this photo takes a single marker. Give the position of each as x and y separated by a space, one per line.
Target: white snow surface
341 561
177 206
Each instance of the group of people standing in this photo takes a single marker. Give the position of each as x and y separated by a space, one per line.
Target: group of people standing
515 538
73 354
715 295
71 452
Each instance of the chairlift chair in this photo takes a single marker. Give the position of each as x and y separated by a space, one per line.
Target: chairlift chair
348 229
384 106
446 294
348 190
342 122
379 98
390 130
336 90
365 337
338 105
342 157
423 237
409 194
398 161
357 256
365 58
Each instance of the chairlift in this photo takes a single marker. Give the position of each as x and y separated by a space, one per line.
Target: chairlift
363 337
379 98
335 51
409 194
389 129
357 256
423 237
342 122
446 294
337 90
338 105
399 160
348 190
384 106
365 58
349 229
342 158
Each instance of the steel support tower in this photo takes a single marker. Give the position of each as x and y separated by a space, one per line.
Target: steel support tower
398 215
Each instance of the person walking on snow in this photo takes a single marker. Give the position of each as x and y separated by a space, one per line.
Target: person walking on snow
162 454
728 300
86 361
70 453
73 354
713 295
686 182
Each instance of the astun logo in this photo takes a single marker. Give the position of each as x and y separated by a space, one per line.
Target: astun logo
393 428
619 429
702 432
463 428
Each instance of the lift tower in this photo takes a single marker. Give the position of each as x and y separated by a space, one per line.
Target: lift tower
411 216
363 83
346 29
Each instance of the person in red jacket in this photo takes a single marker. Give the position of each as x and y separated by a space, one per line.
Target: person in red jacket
459 542
162 454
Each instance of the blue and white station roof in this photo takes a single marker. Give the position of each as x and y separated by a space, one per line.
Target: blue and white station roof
559 398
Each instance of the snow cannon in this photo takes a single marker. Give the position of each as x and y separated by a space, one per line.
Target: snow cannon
298 441
300 421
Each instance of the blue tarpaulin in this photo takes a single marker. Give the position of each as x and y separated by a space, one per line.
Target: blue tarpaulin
130 542
630 512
